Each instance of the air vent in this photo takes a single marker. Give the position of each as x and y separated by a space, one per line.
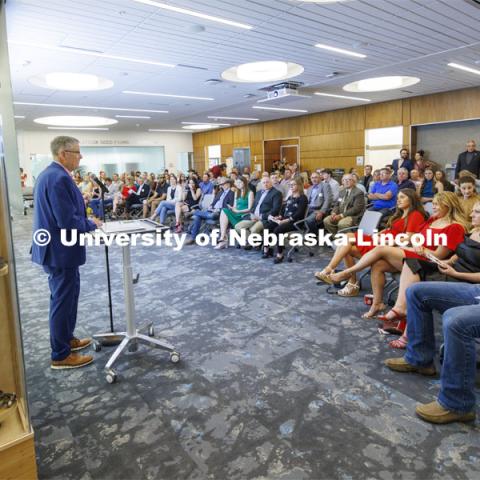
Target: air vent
81 49
407 91
249 95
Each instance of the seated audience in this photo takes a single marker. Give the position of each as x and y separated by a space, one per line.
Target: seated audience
448 218
191 196
96 203
174 195
403 181
120 197
383 194
293 211
427 189
287 176
138 196
461 326
420 164
334 185
404 161
468 193
348 209
408 219
254 180
466 259
268 201
282 188
441 182
230 216
320 201
206 185
224 197
156 196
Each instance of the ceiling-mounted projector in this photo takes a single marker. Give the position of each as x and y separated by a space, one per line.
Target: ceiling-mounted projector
283 91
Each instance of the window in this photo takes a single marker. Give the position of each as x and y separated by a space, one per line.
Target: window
214 155
382 145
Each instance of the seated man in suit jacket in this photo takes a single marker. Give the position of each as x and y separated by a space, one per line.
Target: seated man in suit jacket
224 197
469 160
349 208
143 190
59 206
268 201
320 201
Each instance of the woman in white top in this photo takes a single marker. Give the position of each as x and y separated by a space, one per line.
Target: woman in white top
174 195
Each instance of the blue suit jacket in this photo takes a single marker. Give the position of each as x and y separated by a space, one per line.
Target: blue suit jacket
58 204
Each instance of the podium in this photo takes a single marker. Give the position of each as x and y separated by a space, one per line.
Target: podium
132 336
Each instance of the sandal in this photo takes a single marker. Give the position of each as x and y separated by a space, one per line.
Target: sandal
324 276
400 343
396 316
395 327
338 277
349 290
374 309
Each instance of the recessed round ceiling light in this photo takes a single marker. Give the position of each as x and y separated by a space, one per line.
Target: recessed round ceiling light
200 127
71 81
380 84
75 121
259 72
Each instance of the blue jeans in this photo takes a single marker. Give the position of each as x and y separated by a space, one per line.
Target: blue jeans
200 215
96 206
461 325
163 208
64 286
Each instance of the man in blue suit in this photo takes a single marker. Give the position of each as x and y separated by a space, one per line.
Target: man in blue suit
59 205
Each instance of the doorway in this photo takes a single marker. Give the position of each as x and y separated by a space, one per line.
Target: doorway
277 150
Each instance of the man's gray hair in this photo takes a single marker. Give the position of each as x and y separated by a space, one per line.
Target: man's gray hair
62 142
403 169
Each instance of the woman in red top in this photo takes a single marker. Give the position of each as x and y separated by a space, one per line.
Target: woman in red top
448 218
407 219
120 197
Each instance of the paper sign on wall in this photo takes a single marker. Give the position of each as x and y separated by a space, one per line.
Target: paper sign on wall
360 160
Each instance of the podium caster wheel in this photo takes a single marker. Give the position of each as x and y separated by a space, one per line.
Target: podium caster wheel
133 347
174 357
111 377
151 331
97 346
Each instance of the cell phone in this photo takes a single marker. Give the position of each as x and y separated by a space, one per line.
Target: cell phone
436 260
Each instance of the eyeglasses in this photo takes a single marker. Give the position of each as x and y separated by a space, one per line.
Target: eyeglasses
73 151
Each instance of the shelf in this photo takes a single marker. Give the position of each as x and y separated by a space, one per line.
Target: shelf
12 429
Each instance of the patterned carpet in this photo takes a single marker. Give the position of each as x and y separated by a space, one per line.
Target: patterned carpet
278 380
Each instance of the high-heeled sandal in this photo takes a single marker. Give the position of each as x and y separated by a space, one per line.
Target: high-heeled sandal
396 316
267 253
278 259
372 313
399 343
349 290
324 276
395 327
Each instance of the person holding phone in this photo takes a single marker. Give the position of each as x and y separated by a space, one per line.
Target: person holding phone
463 266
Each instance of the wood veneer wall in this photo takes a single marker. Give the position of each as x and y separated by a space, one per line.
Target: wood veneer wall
336 138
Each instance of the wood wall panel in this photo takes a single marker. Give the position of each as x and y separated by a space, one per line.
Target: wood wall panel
334 139
442 107
386 114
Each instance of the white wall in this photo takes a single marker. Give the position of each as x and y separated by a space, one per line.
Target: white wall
30 142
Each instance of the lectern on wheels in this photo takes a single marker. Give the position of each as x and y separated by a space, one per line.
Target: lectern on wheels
132 336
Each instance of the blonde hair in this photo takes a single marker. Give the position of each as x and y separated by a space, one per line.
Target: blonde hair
299 182
456 212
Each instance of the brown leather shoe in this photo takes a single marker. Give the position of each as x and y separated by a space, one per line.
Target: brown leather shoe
433 412
79 343
74 360
401 365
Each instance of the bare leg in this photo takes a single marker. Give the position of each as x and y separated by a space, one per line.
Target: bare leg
407 278
393 255
377 278
339 255
223 226
178 213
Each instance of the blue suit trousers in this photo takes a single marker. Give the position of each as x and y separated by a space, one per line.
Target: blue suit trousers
64 286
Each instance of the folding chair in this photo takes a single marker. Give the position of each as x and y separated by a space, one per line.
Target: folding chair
301 227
